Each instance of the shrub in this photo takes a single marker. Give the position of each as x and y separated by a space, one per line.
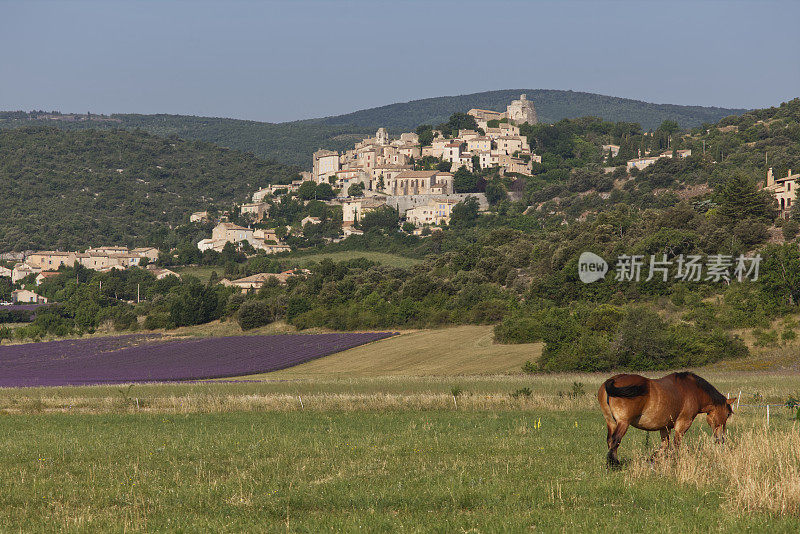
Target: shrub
254 313
790 229
158 320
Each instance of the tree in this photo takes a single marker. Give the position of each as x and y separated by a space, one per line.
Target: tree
307 190
465 212
464 181
383 218
425 134
355 190
458 121
324 191
495 192
740 199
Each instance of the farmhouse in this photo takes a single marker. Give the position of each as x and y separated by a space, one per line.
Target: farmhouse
24 296
257 281
784 189
198 216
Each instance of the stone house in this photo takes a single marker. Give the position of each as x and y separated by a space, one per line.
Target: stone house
784 189
354 210
325 165
257 210
420 183
24 296
435 212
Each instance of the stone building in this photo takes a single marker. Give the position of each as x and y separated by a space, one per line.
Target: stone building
522 111
784 189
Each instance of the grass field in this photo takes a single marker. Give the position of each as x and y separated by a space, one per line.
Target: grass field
373 439
393 260
203 272
462 350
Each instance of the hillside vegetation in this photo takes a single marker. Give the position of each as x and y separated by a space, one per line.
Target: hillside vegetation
294 142
75 189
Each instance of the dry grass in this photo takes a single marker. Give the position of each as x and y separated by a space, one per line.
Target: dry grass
282 402
462 350
758 468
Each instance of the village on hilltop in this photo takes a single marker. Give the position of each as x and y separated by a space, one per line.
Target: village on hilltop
413 176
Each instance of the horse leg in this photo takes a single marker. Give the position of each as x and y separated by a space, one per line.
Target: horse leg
611 428
616 438
664 444
664 438
681 426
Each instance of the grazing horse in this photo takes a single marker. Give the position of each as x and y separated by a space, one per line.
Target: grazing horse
670 402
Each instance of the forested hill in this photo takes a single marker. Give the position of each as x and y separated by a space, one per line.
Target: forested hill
294 142
73 189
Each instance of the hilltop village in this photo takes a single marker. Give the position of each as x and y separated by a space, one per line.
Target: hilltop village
414 182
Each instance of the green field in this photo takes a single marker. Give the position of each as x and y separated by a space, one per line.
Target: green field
392 260
374 454
417 433
203 272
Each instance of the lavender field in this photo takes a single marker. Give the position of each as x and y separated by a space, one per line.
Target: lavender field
150 358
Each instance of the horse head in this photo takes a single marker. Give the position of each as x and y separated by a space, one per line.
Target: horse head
717 417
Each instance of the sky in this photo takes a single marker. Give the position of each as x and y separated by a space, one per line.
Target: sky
281 61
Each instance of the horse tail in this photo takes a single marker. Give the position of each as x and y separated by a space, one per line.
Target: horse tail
627 392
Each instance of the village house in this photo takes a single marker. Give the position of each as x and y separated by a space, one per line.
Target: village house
258 210
51 259
5 272
225 232
310 220
354 210
784 189
436 212
21 270
325 165
151 253
257 281
24 296
643 163
98 260
614 149
198 217
420 183
161 273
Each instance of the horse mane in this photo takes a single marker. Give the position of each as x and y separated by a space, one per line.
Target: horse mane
716 397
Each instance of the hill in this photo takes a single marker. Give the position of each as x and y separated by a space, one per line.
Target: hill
294 142
74 189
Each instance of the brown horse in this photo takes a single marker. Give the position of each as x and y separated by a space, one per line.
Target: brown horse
670 402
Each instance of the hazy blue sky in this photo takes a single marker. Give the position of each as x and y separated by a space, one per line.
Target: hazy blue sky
278 61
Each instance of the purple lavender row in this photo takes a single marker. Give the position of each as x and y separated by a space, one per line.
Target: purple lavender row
113 360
